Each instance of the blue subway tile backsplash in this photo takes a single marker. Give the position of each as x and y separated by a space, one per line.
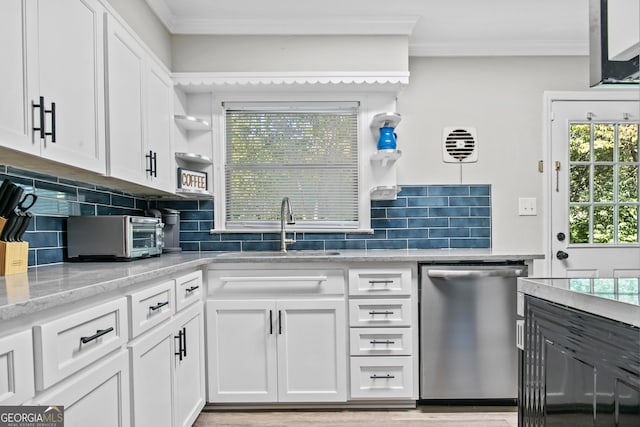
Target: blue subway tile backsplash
422 217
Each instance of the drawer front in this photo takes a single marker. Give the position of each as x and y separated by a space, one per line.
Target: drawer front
381 342
68 344
188 289
275 282
150 307
381 377
387 312
380 281
16 368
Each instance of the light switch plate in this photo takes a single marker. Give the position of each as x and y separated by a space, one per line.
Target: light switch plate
527 206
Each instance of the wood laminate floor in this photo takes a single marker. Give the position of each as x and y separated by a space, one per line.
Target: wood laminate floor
423 416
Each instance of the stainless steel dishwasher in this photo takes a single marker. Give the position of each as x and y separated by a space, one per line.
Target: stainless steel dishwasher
468 331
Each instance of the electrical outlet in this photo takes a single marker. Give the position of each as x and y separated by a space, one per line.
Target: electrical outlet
527 206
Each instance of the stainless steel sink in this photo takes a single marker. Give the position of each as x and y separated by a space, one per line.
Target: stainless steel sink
267 254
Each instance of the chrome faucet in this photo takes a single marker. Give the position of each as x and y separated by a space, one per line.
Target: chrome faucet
285 210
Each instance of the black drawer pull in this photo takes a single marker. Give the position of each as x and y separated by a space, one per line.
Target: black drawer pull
99 333
384 282
383 377
191 289
380 312
381 342
158 306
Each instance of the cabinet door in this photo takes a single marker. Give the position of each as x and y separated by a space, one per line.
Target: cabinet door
14 106
71 74
125 62
241 339
151 364
159 119
16 368
96 397
189 369
312 351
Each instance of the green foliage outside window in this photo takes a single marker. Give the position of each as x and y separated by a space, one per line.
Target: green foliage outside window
603 182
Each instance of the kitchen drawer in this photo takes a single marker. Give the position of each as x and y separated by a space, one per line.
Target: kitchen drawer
188 289
67 344
379 281
150 306
276 282
381 342
16 368
385 312
381 377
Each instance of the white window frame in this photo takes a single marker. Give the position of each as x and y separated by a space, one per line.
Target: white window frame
370 104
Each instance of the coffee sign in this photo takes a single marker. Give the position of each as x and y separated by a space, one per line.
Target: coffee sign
190 180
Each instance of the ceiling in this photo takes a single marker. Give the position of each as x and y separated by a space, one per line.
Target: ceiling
434 27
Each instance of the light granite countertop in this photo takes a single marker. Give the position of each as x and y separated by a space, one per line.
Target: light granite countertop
615 299
45 287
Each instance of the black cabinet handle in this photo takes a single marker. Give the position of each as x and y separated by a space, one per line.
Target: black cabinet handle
149 157
270 322
184 341
279 322
40 107
180 345
382 377
191 289
158 306
155 164
98 334
52 111
380 312
381 342
375 282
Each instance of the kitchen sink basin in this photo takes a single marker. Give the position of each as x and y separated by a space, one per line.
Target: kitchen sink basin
267 254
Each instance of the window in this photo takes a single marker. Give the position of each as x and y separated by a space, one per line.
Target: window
305 151
603 183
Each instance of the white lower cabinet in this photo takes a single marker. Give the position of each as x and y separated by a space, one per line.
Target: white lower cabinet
383 332
167 371
151 359
65 345
96 397
189 368
381 377
16 368
277 350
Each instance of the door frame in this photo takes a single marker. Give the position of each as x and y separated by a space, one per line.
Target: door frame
549 97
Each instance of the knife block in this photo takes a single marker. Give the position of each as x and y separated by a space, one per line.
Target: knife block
14 257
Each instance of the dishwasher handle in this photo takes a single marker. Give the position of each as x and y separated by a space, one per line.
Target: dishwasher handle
459 274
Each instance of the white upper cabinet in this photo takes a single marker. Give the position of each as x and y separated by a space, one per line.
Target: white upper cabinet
70 70
15 111
53 50
139 106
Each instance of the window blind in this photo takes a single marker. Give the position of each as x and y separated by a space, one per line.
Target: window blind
307 152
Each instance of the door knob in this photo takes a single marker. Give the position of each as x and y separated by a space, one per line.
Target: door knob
562 255
561 236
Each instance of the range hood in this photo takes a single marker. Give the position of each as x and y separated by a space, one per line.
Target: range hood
602 70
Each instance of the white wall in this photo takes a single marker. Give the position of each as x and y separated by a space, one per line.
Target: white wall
502 98
289 53
147 25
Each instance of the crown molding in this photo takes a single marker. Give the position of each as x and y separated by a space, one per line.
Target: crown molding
203 82
501 48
